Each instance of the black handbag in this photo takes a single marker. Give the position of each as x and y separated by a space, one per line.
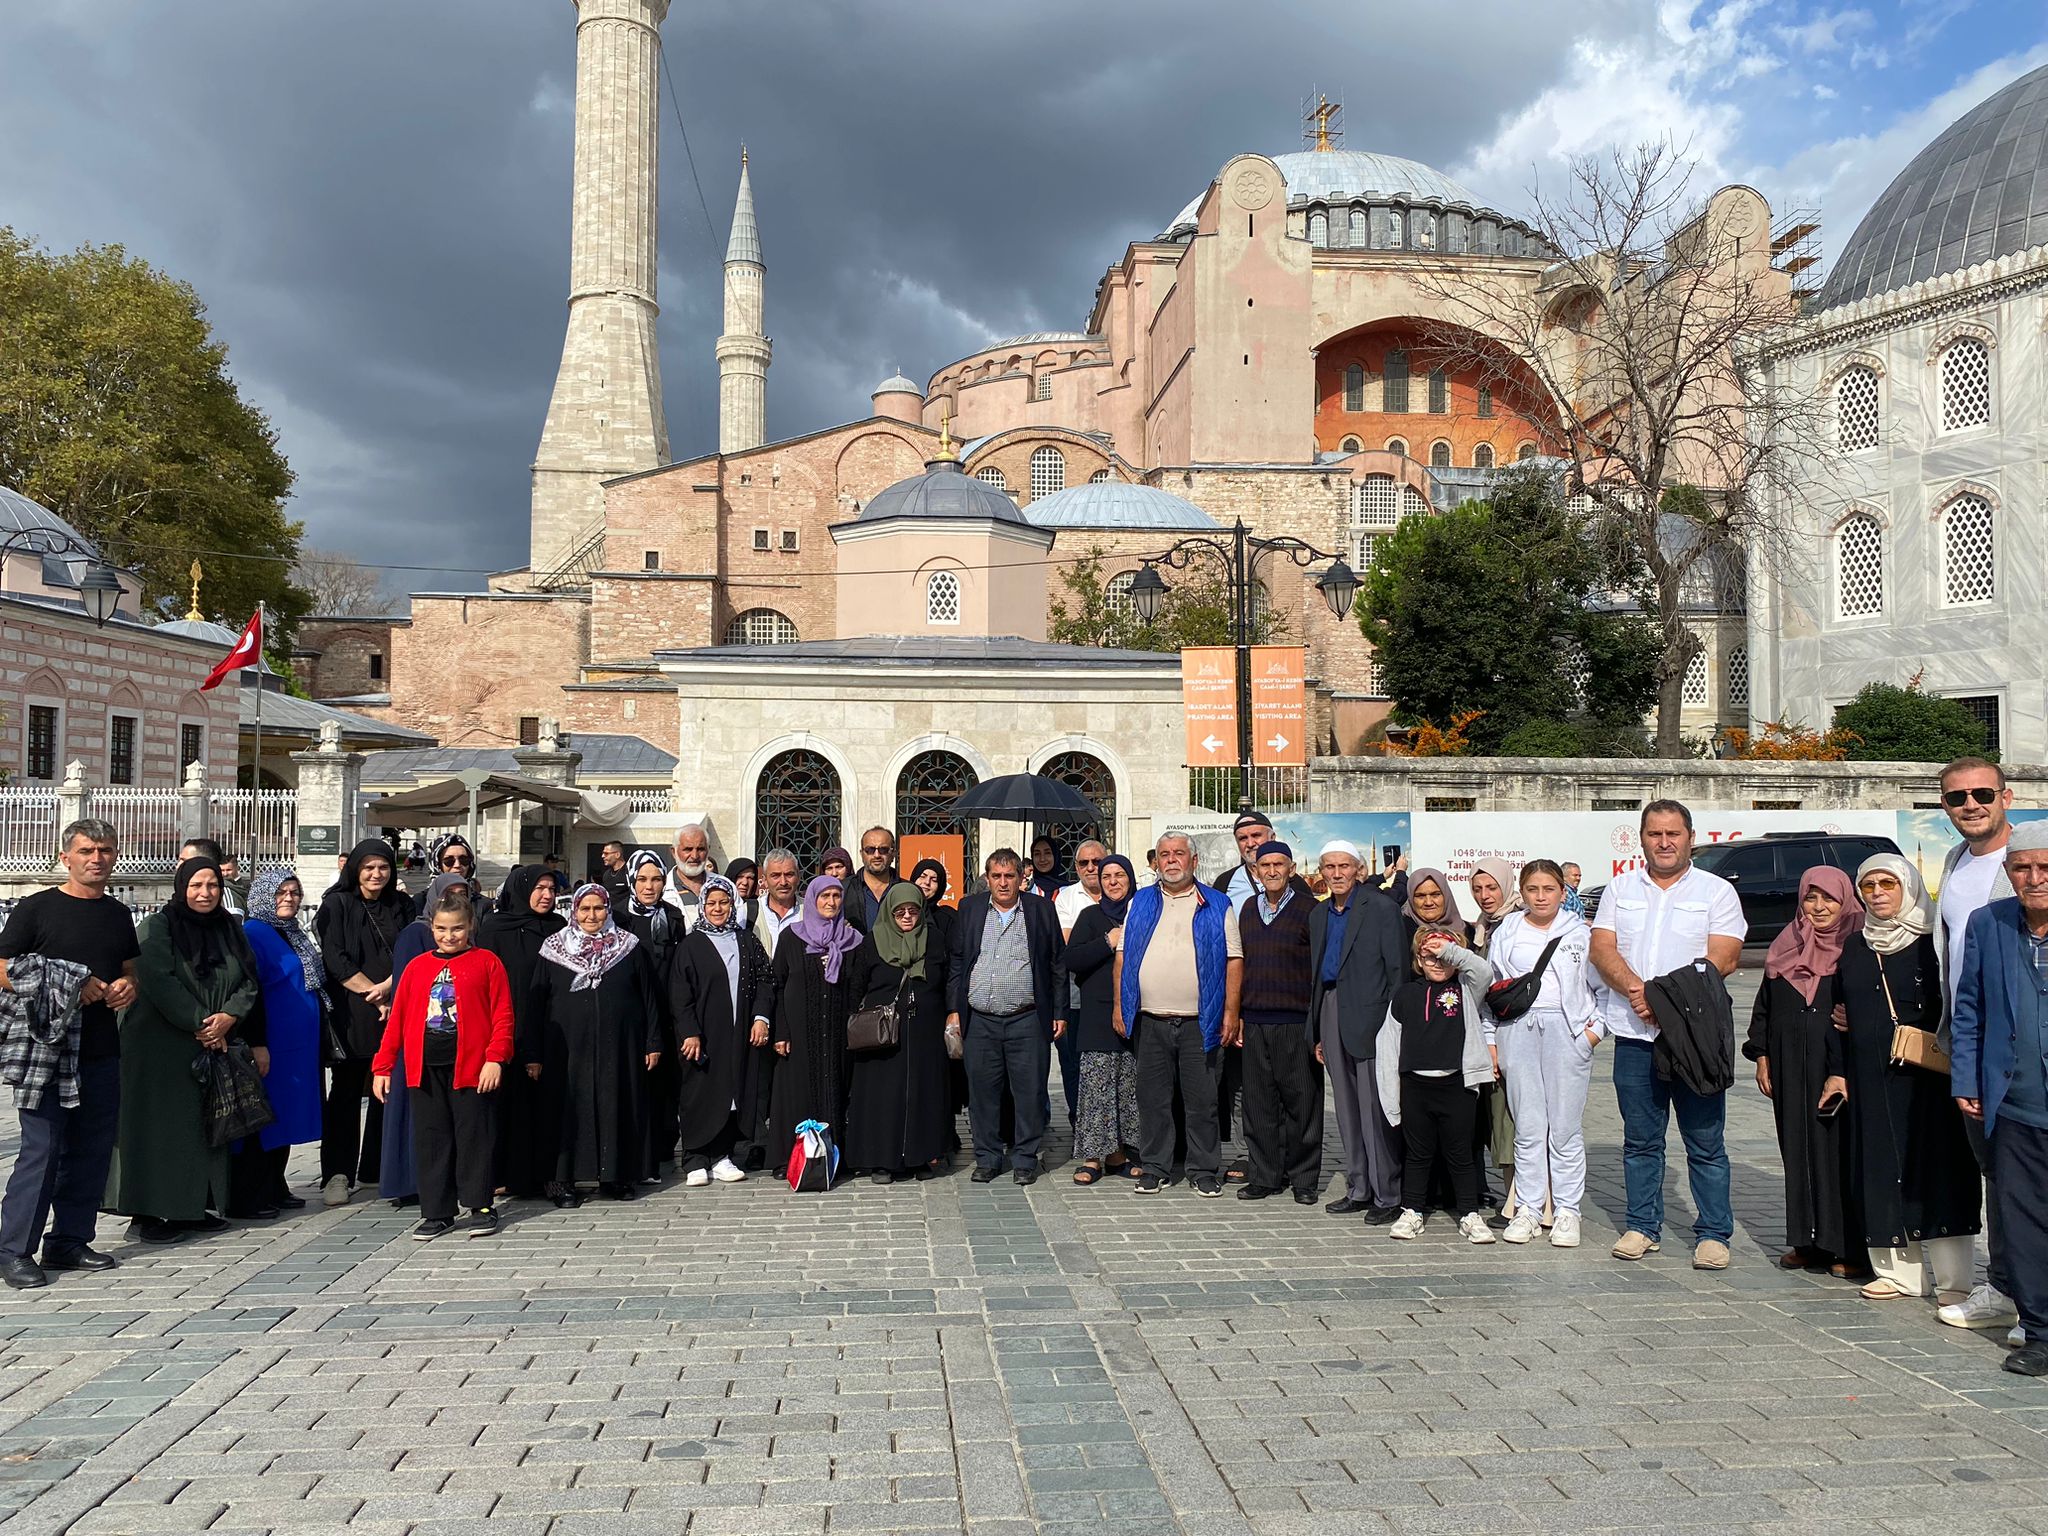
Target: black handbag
236 1105
1513 996
878 1029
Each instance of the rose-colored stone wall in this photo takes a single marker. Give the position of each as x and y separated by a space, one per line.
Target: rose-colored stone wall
470 666
343 667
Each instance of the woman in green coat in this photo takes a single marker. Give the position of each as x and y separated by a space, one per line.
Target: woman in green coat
195 987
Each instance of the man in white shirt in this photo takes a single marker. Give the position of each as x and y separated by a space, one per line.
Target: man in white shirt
1652 921
1975 795
686 879
781 903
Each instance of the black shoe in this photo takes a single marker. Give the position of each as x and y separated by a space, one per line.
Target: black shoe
431 1229
1208 1186
1257 1191
24 1274
289 1203
147 1229
483 1221
624 1192
1025 1175
985 1175
78 1258
1346 1205
255 1213
2029 1359
1381 1215
1304 1197
881 1176
1148 1183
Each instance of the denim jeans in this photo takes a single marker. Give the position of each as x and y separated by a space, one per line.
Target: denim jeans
1646 1104
61 1169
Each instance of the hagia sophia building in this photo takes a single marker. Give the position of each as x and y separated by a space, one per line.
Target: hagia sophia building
1261 358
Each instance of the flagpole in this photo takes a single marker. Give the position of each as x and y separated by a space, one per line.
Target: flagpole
256 767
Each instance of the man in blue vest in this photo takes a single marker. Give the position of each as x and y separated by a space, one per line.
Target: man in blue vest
1179 964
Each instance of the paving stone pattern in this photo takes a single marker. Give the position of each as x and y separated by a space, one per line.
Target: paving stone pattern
944 1356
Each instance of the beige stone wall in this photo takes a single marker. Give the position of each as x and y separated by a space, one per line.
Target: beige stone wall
472 664
342 667
650 714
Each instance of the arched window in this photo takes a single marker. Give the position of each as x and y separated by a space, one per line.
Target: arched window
1968 567
1394 237
1358 235
1694 689
1354 388
930 782
1350 445
1048 471
1965 385
989 474
1413 502
760 626
797 806
1482 456
1485 400
1375 512
1439 454
1116 595
1859 568
942 598
1525 453
1098 477
1736 678
1856 409
1319 228
1090 775
1395 385
1398 445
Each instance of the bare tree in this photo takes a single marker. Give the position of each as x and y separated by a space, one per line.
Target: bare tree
1640 344
339 583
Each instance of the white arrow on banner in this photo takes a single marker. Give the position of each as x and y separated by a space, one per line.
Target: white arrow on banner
1278 743
1210 743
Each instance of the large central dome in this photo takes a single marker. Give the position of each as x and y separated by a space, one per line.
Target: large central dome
1339 174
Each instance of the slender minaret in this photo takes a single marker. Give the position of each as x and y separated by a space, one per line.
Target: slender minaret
743 349
605 418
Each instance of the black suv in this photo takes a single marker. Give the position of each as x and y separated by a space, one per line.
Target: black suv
1765 870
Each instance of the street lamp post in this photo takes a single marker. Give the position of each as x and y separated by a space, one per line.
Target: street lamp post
1241 556
99 592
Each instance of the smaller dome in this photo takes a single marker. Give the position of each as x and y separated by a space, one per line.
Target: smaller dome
1116 504
20 515
944 490
897 384
200 629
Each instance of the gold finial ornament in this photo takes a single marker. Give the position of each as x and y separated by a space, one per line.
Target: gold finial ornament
192 614
1322 121
743 155
948 449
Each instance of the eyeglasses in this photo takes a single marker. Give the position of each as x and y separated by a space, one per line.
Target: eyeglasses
1087 863
1955 799
877 848
456 862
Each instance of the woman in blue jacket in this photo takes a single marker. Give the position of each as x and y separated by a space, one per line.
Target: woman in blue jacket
293 982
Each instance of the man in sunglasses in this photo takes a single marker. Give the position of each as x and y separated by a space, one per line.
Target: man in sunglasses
877 874
1974 793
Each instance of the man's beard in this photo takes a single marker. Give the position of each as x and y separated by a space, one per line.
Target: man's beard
692 871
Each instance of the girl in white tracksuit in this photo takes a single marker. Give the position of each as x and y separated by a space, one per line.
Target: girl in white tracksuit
1546 1056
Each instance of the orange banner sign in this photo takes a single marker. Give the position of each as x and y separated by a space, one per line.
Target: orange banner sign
1279 707
1208 692
950 849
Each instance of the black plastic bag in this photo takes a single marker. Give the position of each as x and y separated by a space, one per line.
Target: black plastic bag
236 1105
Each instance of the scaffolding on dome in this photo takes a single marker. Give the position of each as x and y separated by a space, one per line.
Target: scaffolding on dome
1322 122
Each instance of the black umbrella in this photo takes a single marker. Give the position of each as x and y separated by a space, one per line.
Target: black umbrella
1025 797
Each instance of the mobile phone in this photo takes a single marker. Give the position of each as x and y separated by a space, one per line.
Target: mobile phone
1831 1106
1390 853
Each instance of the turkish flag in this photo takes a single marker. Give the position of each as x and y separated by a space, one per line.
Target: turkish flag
246 651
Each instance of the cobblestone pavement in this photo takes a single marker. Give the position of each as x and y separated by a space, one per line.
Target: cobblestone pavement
943 1356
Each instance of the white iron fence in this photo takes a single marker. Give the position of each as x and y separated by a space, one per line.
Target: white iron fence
262 824
28 829
147 826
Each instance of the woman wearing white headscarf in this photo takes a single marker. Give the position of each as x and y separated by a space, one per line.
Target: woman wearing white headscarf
721 1005
1910 1167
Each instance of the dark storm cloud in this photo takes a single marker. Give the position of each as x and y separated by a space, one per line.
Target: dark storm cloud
373 197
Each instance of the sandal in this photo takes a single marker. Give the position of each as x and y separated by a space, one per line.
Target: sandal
1131 1170
1086 1174
1884 1290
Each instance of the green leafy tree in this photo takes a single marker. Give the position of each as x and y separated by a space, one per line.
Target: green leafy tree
1903 725
1492 606
1195 611
117 413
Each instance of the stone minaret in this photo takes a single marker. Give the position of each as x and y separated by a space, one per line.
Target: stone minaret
743 349
605 418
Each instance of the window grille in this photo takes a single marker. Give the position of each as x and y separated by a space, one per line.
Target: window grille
1482 457
988 474
942 598
1350 445
761 539
1859 568
760 626
529 730
1985 708
1376 677
1398 445
1099 477
928 784
1394 234
650 559
797 806
1413 502
789 541
1525 453
1485 400
1048 471
1041 387
1694 688
191 747
1965 385
1969 570
1856 410
1439 392
42 741
1116 595
1354 388
1090 775
1737 671
1439 454
1395 383
1357 221
1319 229
1450 802
121 750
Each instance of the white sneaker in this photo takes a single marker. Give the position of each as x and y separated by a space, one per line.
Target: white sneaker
726 1171
1564 1230
1522 1229
1473 1226
1982 1308
1408 1224
2017 1337
335 1192
696 1178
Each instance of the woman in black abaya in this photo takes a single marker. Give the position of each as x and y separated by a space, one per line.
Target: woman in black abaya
809 1033
898 1109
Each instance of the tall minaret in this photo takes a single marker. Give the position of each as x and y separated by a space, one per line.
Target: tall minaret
605 418
743 349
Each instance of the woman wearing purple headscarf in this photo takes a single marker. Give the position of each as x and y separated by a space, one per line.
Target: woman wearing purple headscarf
808 981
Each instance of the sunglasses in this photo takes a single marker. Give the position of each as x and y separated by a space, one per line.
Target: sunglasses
1087 863
1956 798
882 849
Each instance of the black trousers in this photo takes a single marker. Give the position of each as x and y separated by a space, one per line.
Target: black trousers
1436 1117
732 1140
1283 1107
1230 1072
454 1142
1170 1054
351 1143
256 1177
2019 1164
1994 1219
1009 1052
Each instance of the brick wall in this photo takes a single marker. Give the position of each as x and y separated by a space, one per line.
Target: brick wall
342 669
1013 457
91 674
634 613
471 665
650 714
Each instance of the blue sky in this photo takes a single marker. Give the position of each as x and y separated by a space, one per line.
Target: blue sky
373 197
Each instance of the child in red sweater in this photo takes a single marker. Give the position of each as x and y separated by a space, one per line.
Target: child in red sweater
452 1012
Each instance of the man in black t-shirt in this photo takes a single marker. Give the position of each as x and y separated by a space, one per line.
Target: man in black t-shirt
62 1165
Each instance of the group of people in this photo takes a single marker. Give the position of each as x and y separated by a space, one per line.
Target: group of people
544 1042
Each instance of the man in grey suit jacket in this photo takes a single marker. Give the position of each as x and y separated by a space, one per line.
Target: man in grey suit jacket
1358 950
